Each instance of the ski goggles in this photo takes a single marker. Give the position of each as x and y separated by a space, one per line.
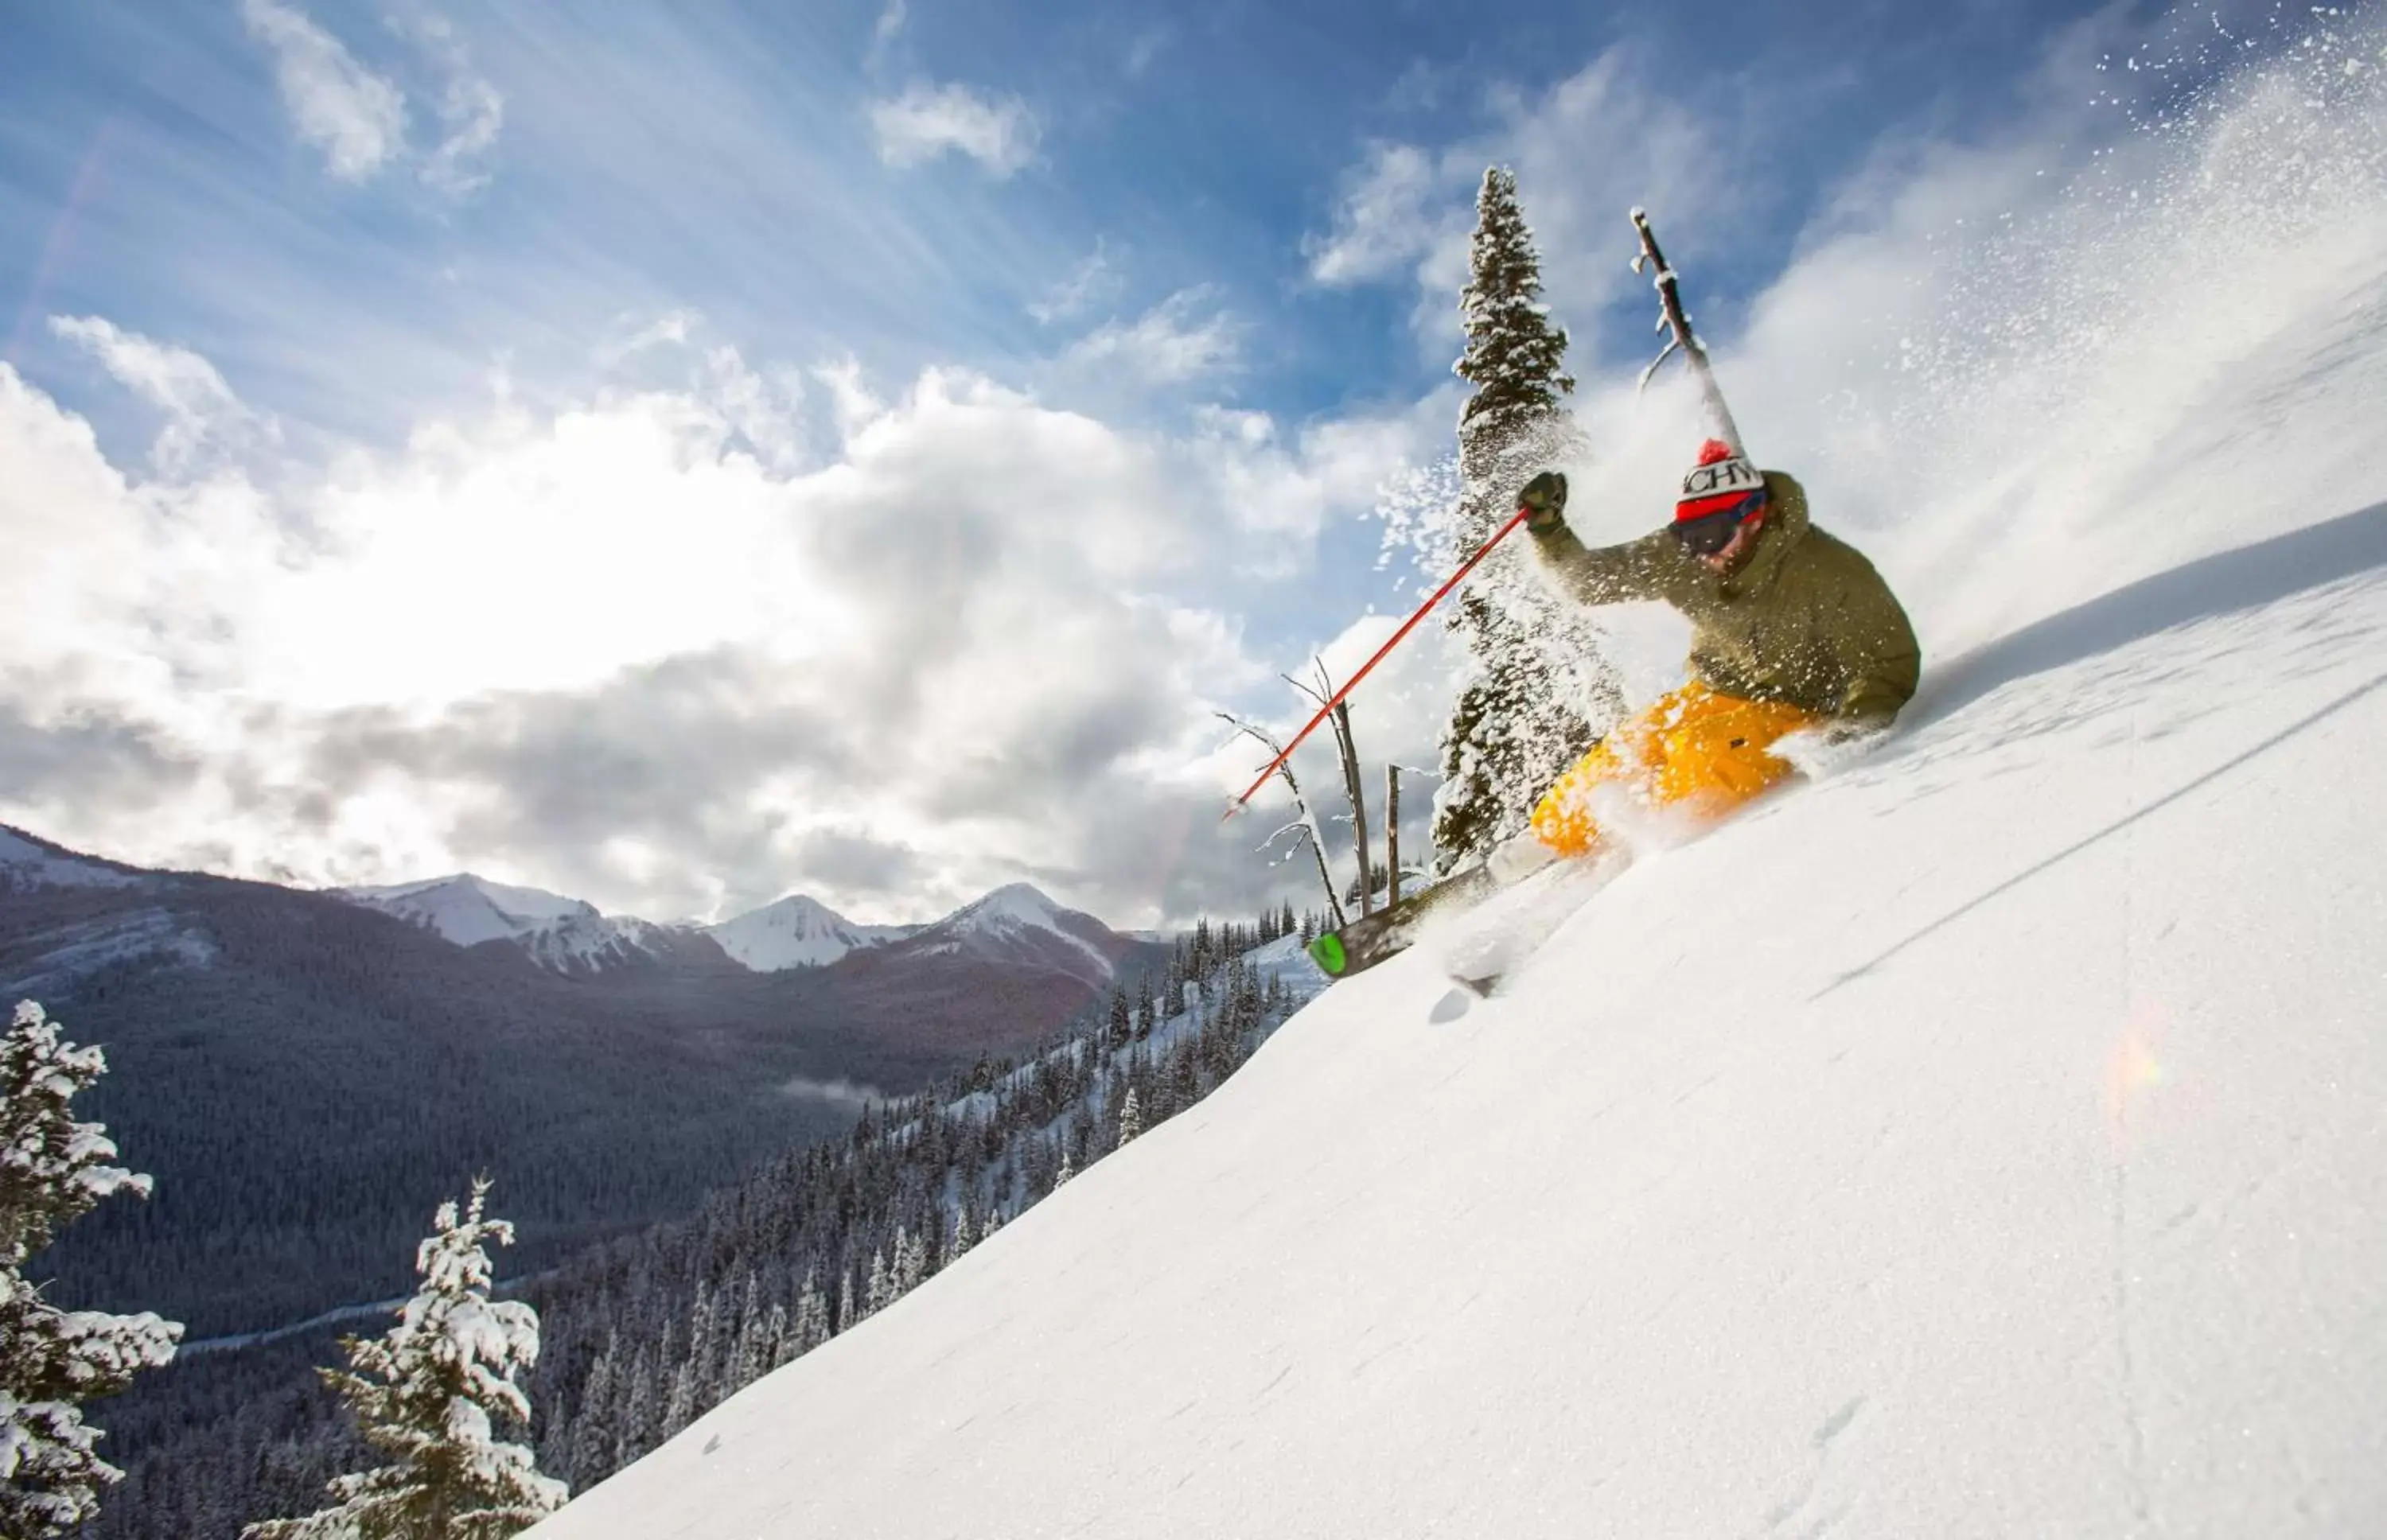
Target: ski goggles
1710 532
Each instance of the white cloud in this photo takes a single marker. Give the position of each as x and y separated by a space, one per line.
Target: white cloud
357 118
653 620
1600 142
927 120
890 26
1170 343
471 112
670 329
199 408
1395 209
1090 283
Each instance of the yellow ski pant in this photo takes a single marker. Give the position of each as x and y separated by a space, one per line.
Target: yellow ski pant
1693 748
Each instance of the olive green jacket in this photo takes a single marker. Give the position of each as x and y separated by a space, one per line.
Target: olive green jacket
1806 620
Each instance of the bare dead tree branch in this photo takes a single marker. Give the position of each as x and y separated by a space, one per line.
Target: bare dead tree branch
1309 820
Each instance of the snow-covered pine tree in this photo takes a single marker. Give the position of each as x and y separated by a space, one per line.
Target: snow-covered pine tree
964 1234
1541 690
881 1292
813 1324
54 1171
911 1269
679 1407
749 1359
1130 1117
596 1442
427 1395
643 1396
774 1346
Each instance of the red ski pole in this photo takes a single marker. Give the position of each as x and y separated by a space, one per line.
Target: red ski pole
1480 551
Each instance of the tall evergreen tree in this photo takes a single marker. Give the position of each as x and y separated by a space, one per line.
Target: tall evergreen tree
427 1395
882 1285
811 1320
595 1448
54 1171
1540 690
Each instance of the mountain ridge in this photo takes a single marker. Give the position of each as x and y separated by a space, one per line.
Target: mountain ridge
572 936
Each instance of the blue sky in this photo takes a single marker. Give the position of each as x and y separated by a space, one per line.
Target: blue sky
1035 365
723 160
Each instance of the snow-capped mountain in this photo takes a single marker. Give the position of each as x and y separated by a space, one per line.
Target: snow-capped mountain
564 935
1017 923
469 910
1012 927
797 932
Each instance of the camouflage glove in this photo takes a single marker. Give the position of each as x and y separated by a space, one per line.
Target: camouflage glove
1544 498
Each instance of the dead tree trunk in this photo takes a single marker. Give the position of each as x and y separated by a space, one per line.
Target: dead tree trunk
1340 718
1392 834
1305 821
1358 806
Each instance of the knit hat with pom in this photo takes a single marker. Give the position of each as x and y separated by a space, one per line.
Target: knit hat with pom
1721 483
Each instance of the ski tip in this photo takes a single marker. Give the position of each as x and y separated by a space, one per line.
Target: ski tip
1328 953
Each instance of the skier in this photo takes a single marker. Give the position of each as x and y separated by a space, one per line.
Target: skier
1792 629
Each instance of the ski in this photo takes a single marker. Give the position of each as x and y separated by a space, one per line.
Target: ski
1371 939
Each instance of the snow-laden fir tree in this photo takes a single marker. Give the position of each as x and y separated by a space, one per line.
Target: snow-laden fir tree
428 1395
595 1445
812 1327
911 1261
881 1292
1540 692
1130 1117
54 1171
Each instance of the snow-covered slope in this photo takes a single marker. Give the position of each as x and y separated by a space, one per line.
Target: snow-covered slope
797 932
1985 1140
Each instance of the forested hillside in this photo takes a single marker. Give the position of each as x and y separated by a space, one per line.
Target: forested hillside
647 1332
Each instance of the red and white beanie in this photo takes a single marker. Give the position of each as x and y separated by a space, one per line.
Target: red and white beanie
1721 483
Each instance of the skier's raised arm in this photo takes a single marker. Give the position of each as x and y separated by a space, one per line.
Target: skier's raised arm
1653 567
